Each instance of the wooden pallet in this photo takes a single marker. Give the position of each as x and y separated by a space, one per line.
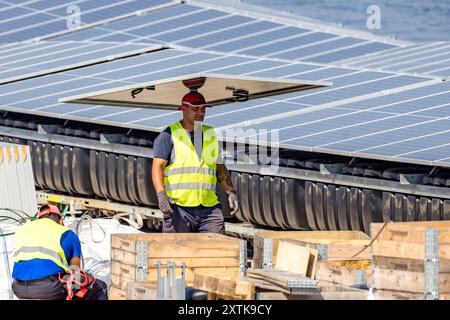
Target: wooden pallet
406 239
398 259
340 244
200 252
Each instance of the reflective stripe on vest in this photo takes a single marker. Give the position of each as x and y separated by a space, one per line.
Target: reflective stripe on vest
190 185
174 171
43 250
190 181
41 239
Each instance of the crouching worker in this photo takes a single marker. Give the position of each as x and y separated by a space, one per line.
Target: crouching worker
47 261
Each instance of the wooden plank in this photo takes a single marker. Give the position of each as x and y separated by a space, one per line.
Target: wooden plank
223 285
294 257
406 250
311 235
183 249
343 272
161 237
399 295
413 232
327 293
117 294
265 285
343 250
245 289
129 258
139 290
407 281
402 264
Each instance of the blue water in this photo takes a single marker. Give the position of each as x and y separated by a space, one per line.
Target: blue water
412 20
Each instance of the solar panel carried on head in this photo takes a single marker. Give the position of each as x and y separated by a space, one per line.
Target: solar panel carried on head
217 89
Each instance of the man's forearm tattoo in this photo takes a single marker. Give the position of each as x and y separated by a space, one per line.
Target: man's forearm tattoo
224 178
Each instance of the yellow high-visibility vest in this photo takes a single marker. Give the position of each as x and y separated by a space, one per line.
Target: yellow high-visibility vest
41 239
188 180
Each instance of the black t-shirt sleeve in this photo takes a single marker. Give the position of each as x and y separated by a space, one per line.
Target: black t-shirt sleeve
162 147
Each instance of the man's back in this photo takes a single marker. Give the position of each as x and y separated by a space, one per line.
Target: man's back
37 234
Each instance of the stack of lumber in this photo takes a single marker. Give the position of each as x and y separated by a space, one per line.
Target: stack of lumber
223 286
399 254
200 252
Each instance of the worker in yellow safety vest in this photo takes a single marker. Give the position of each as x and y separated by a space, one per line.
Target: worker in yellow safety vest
47 261
187 166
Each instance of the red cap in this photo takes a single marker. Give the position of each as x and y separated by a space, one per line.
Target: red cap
194 84
48 209
193 98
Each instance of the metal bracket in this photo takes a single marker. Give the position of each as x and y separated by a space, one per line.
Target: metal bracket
360 278
302 283
322 252
171 287
243 258
306 291
267 253
431 264
141 260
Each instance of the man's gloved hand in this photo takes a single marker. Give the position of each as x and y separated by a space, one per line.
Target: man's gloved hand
233 202
164 203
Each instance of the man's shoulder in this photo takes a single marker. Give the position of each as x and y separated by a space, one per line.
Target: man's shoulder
164 136
70 235
166 132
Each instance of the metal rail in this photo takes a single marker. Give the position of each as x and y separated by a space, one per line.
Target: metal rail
243 230
317 176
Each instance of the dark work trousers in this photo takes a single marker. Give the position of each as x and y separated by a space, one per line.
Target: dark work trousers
195 219
49 288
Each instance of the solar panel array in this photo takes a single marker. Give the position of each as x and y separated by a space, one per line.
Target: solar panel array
34 59
428 58
366 113
199 27
24 20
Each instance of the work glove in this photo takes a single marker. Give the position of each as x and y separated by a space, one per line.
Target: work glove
164 203
233 202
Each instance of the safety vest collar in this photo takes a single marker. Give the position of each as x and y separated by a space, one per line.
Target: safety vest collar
180 134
